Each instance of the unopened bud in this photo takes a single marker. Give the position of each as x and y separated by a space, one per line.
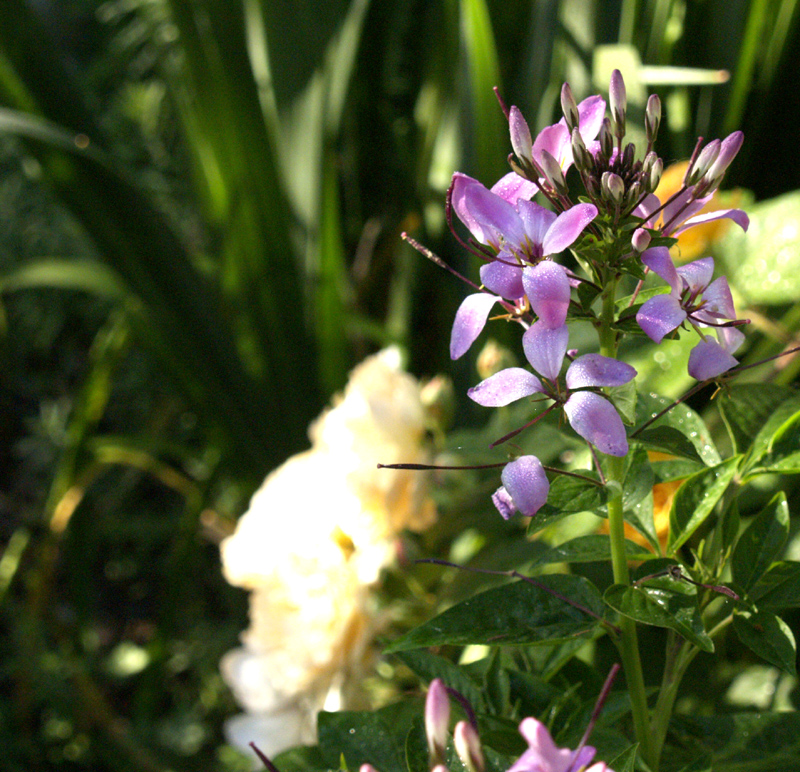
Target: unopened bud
468 747
437 720
628 154
655 174
606 138
520 135
613 187
652 118
552 172
618 99
707 157
632 196
569 108
640 240
584 160
728 150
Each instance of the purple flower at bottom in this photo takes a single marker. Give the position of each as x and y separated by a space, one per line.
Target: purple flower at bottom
525 488
544 756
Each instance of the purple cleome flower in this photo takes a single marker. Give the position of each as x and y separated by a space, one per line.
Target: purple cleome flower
592 416
693 297
543 755
521 235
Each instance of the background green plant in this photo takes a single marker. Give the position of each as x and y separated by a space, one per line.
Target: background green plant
200 237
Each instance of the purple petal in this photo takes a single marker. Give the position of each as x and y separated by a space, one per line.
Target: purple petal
737 215
717 301
591 110
503 279
505 387
512 187
537 221
545 348
542 753
597 370
657 259
567 227
697 275
679 209
728 150
469 322
504 503
526 483
547 288
460 202
709 359
489 218
660 315
730 338
597 421
555 140
645 210
520 134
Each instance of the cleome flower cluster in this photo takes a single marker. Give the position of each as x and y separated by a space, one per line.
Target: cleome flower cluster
618 227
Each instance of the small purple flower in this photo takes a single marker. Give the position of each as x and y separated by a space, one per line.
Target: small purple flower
591 415
525 488
543 755
521 236
680 213
695 298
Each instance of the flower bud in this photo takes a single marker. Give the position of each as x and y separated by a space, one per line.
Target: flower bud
553 174
584 161
613 187
606 138
707 157
520 135
640 240
437 720
618 99
728 150
569 108
655 174
652 118
468 746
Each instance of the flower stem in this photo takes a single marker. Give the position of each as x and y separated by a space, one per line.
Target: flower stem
628 640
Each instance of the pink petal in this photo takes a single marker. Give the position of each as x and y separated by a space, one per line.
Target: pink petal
548 290
709 359
526 483
660 315
737 215
503 279
555 140
512 187
469 322
597 370
697 275
646 208
591 110
567 227
597 421
545 348
505 387
460 201
657 259
537 221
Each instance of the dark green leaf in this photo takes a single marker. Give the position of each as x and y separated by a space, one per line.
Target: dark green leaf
417 759
746 407
762 542
681 418
429 666
696 498
783 455
768 636
774 427
625 761
640 516
638 479
779 587
518 613
624 399
567 496
662 602
583 549
668 440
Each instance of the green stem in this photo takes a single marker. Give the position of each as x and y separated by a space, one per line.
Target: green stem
628 641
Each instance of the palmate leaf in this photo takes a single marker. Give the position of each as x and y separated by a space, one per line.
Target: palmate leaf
557 608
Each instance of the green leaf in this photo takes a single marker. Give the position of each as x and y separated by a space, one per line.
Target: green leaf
417 759
762 542
746 407
764 262
779 587
638 478
681 418
640 516
695 500
781 420
626 760
662 602
668 440
783 455
556 608
429 666
768 636
584 549
624 399
567 496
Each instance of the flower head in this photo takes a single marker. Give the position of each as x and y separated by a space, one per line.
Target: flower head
544 756
695 298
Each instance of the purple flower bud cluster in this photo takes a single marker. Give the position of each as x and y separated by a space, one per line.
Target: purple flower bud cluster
619 227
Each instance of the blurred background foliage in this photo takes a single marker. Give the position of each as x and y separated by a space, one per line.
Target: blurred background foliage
202 203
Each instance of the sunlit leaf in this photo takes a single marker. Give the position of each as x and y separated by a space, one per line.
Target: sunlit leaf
762 542
768 636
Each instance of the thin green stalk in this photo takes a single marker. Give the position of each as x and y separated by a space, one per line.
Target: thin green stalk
628 640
